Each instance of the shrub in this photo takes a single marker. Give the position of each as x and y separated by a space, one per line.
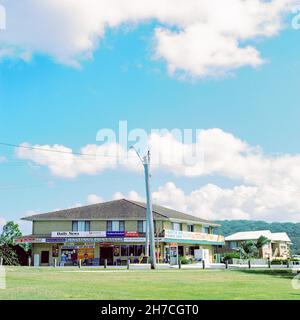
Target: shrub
279 261
184 260
231 255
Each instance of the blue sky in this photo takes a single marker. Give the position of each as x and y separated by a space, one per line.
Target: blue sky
46 102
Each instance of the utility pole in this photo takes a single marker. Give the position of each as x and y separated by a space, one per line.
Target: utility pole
147 238
149 210
149 220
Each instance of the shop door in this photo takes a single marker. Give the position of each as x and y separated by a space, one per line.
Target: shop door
180 251
107 253
45 257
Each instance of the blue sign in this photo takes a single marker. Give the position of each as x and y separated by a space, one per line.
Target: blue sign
55 240
115 234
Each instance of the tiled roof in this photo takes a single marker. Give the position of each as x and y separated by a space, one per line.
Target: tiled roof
118 209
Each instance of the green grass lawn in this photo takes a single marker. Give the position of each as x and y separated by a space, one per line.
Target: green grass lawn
72 283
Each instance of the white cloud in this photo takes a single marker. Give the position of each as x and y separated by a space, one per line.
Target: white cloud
93 199
215 56
62 163
266 186
210 201
240 202
132 195
25 226
198 38
219 153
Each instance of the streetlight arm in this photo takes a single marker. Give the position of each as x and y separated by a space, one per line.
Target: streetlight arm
133 148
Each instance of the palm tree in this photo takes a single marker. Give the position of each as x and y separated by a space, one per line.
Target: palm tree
250 249
262 241
247 249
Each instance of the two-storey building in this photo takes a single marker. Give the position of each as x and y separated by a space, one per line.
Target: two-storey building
278 246
115 231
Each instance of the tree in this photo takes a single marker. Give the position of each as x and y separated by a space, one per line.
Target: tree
262 241
292 229
8 254
247 249
10 231
250 249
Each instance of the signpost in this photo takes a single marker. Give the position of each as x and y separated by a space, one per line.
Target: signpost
173 254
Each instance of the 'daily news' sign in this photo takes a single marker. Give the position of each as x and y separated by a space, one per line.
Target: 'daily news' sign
78 234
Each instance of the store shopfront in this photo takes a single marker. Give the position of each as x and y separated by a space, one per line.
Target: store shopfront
115 232
118 248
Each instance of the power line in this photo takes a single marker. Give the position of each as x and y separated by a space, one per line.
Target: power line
43 149
58 151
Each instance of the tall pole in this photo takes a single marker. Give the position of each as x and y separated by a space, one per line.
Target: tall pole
149 215
146 164
147 236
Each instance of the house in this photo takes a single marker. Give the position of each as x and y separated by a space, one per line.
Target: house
278 246
115 231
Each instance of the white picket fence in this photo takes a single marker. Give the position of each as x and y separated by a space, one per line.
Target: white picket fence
253 261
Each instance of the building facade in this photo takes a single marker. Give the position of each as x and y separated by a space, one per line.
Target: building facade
278 246
115 231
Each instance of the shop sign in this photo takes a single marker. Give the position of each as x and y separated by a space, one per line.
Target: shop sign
113 234
132 234
105 240
134 239
79 234
186 235
81 240
55 240
30 240
92 246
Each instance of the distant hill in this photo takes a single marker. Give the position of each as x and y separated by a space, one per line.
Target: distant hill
292 229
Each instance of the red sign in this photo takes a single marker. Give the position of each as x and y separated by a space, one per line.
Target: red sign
105 244
29 240
132 234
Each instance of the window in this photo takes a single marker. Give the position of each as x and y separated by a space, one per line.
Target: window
115 225
191 251
55 251
121 225
116 251
206 230
142 226
81 226
190 228
155 228
177 226
233 245
139 249
131 250
124 251
215 230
